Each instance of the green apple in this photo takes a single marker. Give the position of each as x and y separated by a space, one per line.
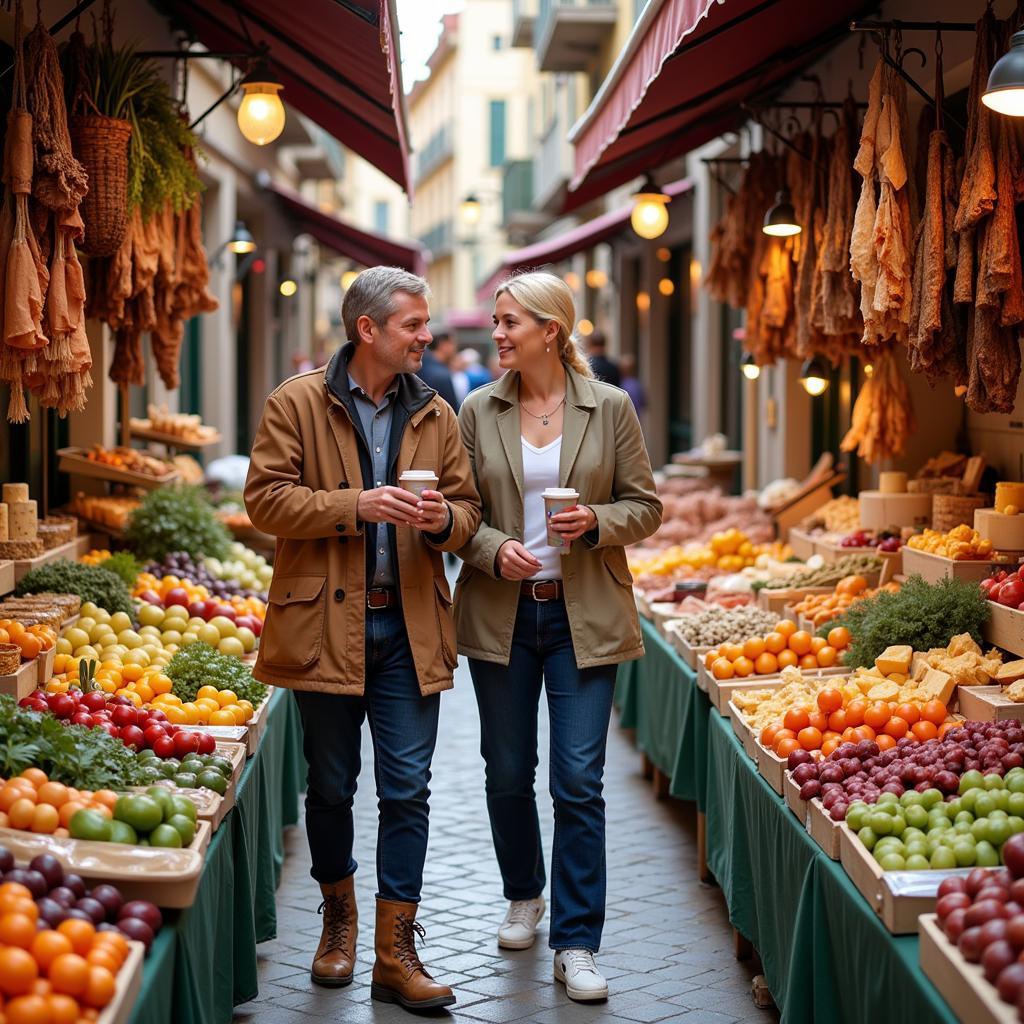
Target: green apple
248 639
231 645
224 626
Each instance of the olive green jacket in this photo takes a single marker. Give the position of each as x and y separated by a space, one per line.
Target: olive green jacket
604 458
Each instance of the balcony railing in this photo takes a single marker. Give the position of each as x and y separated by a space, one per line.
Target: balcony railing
569 34
524 17
440 239
439 148
552 167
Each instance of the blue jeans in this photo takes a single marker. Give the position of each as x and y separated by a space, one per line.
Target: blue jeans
403 726
579 708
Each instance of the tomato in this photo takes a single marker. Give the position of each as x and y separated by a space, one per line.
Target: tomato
186 742
855 712
934 711
796 719
877 715
896 727
785 747
810 738
830 700
910 713
163 746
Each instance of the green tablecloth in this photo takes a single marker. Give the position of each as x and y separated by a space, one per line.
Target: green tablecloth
658 697
203 962
826 955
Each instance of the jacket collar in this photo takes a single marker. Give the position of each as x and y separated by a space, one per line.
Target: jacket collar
413 394
578 391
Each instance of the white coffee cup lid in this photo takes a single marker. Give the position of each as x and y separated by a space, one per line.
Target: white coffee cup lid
418 474
560 492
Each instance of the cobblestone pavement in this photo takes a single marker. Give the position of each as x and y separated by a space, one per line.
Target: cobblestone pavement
668 947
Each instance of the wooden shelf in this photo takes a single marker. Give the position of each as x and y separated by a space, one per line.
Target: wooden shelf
68 550
74 461
7 580
144 433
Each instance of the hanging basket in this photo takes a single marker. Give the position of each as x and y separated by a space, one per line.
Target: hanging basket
101 143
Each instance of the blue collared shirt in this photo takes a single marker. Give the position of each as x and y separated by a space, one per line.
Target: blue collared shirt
376 423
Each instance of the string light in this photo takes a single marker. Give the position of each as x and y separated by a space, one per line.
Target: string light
261 115
666 286
287 287
749 368
596 278
649 216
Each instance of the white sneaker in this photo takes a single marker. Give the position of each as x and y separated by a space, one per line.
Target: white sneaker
576 969
519 928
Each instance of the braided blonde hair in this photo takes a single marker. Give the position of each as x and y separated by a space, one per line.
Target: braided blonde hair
548 298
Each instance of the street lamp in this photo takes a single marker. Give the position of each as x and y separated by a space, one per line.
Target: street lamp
288 287
1005 91
749 367
780 220
241 241
471 210
649 217
814 377
261 113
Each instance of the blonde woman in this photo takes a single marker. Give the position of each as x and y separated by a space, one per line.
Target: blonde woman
530 617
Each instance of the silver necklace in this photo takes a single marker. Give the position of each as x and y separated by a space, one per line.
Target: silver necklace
543 417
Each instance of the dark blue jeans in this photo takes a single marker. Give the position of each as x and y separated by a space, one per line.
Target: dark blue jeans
579 708
403 726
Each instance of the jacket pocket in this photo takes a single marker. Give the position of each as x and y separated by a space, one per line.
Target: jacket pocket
294 631
445 622
618 566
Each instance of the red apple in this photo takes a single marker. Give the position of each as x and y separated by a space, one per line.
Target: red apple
177 595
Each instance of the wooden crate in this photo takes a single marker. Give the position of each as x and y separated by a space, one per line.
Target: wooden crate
831 550
7 580
899 911
802 543
961 984
776 600
824 831
720 693
127 986
44 664
257 725
21 683
791 791
987 704
743 732
934 568
690 655
1005 628
236 753
770 766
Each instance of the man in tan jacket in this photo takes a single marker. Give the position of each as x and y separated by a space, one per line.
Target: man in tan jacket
359 619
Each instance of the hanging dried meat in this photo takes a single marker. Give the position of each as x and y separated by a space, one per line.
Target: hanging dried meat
882 417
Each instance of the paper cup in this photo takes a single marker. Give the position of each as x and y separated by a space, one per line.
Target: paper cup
418 481
559 499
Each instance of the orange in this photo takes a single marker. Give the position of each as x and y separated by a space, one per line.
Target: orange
925 730
17 930
910 713
107 797
808 662
774 642
100 987
63 1009
787 658
22 812
115 942
896 727
53 793
768 735
67 812
766 664
796 719
100 957
818 719
225 697
877 715
241 716
810 738
711 657
830 700
30 646
225 717
855 712
35 775
885 741
180 716
79 932
945 727
934 711
9 794
732 651
837 720
742 667
69 972
785 747
800 642
754 647
830 746
207 691
28 1009
48 945
839 637
827 656
722 669
787 627
817 642
45 819
18 971
863 732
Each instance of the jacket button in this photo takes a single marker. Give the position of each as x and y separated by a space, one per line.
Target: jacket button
342 486
289 594
339 595
340 527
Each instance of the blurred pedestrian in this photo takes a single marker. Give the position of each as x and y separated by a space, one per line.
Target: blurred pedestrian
436 372
604 369
477 374
630 383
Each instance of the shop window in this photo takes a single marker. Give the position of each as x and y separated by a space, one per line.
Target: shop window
497 133
381 214
497 43
680 360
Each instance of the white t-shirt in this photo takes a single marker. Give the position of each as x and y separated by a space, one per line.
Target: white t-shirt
540 471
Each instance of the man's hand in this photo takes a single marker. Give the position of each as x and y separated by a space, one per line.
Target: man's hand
432 512
388 505
574 522
515 562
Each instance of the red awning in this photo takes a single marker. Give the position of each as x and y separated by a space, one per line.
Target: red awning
367 249
684 72
577 239
338 63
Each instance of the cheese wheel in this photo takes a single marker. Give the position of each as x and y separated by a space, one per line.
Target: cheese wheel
15 492
23 520
892 483
1005 532
880 511
1009 494
4 535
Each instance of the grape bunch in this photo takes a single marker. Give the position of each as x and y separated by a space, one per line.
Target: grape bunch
184 566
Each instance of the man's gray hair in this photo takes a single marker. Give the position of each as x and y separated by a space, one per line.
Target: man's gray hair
372 294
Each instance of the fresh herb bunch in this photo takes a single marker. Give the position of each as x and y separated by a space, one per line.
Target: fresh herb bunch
90 582
72 754
921 615
201 665
125 565
176 519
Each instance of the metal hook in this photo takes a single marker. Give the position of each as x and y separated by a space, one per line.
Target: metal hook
907 52
791 125
835 114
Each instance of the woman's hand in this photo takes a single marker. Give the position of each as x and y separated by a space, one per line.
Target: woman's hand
514 562
433 512
574 522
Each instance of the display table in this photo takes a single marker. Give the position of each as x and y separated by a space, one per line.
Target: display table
203 962
658 697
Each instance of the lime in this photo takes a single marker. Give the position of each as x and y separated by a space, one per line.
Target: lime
185 780
210 778
222 764
867 836
89 824
122 832
182 805
143 813
185 827
165 835
163 798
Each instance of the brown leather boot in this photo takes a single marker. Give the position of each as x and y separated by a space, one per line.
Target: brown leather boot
336 955
398 975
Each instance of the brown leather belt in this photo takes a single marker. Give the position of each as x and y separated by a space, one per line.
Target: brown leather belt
541 590
381 597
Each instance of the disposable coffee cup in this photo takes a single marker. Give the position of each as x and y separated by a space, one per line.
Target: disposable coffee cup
419 480
558 499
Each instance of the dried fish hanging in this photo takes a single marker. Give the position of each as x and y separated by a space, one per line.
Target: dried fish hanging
60 185
936 341
25 277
